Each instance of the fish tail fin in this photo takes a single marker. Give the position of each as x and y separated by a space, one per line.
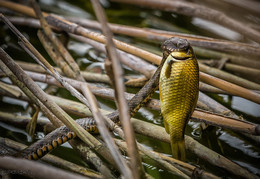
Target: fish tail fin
178 149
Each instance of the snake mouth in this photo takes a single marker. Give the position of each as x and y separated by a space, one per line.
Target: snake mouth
182 55
179 49
180 58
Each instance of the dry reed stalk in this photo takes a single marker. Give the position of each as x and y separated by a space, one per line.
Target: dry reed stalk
31 169
239 60
193 146
209 118
26 91
159 133
76 29
229 77
100 121
198 41
184 167
55 55
53 107
232 88
245 71
59 162
117 80
161 35
56 43
194 10
64 117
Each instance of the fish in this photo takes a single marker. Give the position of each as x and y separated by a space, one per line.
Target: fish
178 89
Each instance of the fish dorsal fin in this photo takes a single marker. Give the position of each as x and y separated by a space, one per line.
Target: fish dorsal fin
168 68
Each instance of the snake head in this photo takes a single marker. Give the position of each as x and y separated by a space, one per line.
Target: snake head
179 49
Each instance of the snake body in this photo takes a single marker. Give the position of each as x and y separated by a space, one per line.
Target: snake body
63 134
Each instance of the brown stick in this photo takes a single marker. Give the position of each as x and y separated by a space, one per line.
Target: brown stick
210 54
159 133
234 89
73 28
184 167
54 107
56 42
229 77
208 118
55 55
64 117
192 145
32 168
195 10
99 118
113 57
161 35
54 160
245 71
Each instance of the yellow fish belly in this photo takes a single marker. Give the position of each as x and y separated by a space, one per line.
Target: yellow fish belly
178 85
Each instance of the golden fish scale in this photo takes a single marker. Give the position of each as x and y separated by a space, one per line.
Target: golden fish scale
179 95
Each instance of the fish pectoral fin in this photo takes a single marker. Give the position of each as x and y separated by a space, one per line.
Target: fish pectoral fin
161 98
166 126
168 68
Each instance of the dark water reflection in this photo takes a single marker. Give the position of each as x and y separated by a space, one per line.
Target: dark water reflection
233 146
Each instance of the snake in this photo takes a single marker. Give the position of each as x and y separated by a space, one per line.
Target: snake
63 134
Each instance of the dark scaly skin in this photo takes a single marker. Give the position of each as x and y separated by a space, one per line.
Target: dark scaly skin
63 134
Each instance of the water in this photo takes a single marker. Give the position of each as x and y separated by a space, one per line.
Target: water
234 146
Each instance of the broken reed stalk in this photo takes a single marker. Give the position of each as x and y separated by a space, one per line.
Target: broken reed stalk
102 78
78 30
245 71
193 146
63 116
130 31
56 122
89 76
185 167
49 104
145 128
81 133
234 89
229 77
51 159
218 108
55 55
102 128
56 42
117 80
213 119
194 10
161 35
73 28
211 89
31 169
239 60
127 59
